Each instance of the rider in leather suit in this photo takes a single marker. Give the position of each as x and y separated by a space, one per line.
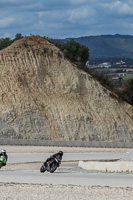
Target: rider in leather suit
3 158
58 155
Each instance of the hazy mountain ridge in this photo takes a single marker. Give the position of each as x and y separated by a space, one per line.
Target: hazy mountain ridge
108 46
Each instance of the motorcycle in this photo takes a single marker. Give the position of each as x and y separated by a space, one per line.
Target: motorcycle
50 166
1 161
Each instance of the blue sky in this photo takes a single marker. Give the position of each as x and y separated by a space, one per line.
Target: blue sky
65 18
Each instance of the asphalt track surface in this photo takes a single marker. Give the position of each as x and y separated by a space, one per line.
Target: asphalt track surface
67 178
63 175
34 157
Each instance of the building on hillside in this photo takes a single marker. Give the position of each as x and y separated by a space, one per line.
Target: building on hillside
117 82
105 65
120 63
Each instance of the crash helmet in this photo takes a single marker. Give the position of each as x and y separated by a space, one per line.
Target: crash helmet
60 153
3 151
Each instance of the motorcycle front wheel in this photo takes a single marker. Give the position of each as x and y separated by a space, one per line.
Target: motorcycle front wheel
53 167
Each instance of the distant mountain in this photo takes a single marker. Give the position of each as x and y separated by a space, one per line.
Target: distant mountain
108 46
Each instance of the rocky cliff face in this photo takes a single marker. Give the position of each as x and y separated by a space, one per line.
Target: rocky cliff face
44 96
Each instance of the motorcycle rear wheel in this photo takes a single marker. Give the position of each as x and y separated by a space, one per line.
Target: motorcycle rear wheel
42 169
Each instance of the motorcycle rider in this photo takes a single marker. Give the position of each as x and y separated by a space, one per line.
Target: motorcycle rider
56 155
3 158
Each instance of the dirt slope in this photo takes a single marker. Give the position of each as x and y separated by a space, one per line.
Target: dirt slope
43 95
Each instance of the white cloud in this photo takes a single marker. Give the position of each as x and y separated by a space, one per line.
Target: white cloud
79 14
125 9
6 22
119 7
65 17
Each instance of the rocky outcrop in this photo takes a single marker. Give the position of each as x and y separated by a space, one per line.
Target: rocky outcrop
44 96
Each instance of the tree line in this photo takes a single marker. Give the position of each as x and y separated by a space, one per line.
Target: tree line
5 42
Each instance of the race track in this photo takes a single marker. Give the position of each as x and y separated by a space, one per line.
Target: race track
34 157
64 175
67 178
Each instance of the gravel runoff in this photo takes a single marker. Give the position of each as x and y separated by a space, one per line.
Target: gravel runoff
14 191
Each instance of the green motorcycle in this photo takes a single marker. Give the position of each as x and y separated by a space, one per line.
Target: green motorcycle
2 161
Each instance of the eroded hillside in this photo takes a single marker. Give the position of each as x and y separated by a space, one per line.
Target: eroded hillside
44 96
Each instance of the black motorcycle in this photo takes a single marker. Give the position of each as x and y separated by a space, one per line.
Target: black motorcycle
50 166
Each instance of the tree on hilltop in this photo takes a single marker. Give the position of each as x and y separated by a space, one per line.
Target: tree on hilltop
75 51
5 42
